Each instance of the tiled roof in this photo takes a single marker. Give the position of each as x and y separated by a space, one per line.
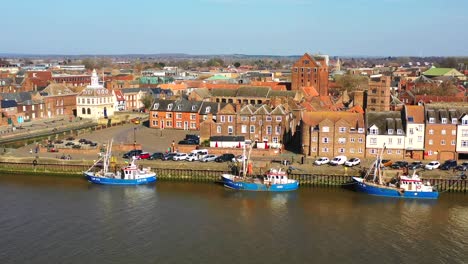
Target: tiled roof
314 118
415 114
8 103
385 121
54 89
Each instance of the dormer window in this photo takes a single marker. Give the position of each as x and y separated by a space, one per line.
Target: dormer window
207 109
454 121
169 107
374 131
465 121
156 106
444 120
179 107
399 132
194 107
431 120
390 131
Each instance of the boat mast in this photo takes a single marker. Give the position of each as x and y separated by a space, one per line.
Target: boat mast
244 161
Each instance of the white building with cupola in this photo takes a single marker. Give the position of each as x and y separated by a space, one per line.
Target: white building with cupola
95 101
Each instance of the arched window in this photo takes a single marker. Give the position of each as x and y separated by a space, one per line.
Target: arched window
89 111
83 111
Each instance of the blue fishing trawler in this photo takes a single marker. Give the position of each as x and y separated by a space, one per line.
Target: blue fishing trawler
130 174
404 186
275 180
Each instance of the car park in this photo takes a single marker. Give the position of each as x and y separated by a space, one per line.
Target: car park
432 165
156 155
321 161
180 156
352 162
225 157
415 165
338 160
209 157
448 164
144 155
463 166
131 153
399 164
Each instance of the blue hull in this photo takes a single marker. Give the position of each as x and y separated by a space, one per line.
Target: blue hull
248 186
109 181
387 192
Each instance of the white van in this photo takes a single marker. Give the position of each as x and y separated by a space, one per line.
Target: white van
201 153
338 160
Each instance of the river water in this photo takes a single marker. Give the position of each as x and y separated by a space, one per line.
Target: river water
63 220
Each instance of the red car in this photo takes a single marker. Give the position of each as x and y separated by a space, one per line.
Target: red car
144 155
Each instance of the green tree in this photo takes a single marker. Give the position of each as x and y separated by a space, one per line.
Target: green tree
352 82
89 63
215 62
237 64
147 101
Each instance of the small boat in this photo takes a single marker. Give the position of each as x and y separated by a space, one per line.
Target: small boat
404 186
275 180
130 174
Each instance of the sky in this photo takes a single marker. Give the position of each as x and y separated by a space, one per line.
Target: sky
253 27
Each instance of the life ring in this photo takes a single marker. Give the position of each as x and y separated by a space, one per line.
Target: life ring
418 187
34 162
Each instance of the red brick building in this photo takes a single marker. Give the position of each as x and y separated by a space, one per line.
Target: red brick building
310 71
441 133
175 114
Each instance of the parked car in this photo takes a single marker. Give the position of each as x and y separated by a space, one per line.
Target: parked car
156 155
192 157
58 142
93 144
136 120
180 156
76 146
352 162
131 153
82 140
144 155
225 157
193 137
415 165
188 142
70 138
463 166
338 160
169 156
69 144
209 157
239 158
432 165
321 161
399 164
200 153
387 162
52 150
448 164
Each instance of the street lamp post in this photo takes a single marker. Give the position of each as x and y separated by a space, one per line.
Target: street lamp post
134 138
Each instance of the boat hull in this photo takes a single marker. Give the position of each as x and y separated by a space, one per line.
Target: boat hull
259 187
361 186
110 181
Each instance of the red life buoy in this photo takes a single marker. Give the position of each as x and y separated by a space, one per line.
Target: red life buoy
418 187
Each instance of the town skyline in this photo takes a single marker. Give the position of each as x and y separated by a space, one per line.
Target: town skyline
339 28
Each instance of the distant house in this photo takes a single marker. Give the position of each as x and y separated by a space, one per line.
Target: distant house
438 72
385 129
59 100
175 114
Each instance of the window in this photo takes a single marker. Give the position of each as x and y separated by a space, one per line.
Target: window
373 151
324 149
454 121
390 141
193 116
178 115
453 142
444 120
244 129
169 123
24 108
374 131
443 132
431 120
156 106
411 131
442 142
230 119
325 140
398 151
275 140
89 111
168 115
399 141
352 140
420 138
278 130
169 107
325 129
218 129
341 150
194 107
360 130
410 141
278 119
252 129
223 119
314 139
431 132
33 108
179 124
244 118
390 131
207 109
253 118
314 149
464 132
83 111
464 143
360 140
389 151
342 140
342 129
360 150
268 118
399 132
431 142
230 130
430 153
454 132
269 130
373 141
465 121
351 150
155 122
